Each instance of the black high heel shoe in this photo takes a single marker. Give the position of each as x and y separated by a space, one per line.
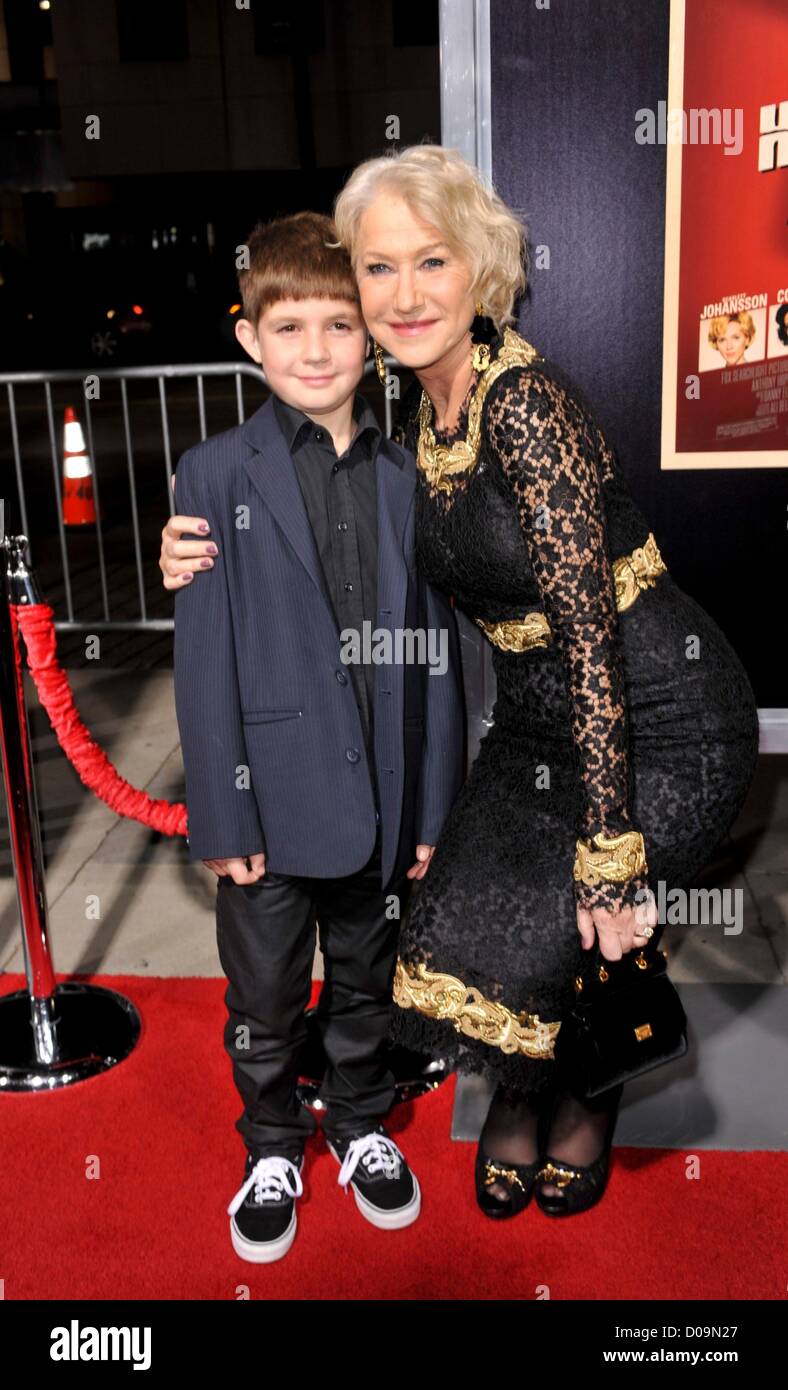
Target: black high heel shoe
518 1178
581 1186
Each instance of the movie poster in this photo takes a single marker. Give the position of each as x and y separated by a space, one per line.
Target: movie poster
725 344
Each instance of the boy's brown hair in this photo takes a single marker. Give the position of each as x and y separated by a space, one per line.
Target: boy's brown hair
289 259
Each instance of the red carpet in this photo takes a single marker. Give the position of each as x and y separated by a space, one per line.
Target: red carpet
154 1224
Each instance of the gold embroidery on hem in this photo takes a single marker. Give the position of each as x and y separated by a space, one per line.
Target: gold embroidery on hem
444 997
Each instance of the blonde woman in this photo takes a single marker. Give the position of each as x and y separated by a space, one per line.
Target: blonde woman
605 729
731 335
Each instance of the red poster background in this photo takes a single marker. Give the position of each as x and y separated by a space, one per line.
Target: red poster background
733 226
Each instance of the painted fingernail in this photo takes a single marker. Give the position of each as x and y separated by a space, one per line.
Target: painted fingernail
206 564
187 578
203 526
213 549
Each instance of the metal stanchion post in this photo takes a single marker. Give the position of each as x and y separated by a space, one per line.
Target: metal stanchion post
50 1035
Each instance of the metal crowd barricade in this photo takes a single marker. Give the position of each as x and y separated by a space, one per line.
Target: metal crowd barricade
162 375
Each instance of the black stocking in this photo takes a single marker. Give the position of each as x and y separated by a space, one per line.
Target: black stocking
510 1131
577 1132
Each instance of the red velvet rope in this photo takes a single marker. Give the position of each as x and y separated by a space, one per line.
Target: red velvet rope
88 760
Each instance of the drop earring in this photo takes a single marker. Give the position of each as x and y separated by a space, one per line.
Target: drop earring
380 365
480 359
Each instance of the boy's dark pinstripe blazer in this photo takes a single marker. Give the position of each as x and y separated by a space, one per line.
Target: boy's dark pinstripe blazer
260 685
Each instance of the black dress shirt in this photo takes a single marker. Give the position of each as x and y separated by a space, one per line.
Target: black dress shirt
340 495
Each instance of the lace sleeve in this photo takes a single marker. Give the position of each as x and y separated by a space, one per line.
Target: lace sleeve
546 450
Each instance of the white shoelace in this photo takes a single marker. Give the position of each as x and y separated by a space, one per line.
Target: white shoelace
378 1154
270 1177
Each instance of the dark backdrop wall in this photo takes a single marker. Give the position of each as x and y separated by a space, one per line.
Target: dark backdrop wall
566 83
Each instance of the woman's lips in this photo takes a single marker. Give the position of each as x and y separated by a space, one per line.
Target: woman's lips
412 330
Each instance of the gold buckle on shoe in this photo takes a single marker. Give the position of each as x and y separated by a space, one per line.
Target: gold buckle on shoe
560 1176
493 1172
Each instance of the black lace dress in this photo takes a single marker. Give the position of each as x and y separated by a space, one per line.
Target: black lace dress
636 714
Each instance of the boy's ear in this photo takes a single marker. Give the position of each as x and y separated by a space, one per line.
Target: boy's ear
247 337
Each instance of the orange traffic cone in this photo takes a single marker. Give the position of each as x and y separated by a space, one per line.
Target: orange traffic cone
79 509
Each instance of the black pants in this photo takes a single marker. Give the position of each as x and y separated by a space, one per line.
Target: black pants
266 938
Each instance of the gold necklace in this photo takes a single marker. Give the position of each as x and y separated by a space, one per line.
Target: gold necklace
442 462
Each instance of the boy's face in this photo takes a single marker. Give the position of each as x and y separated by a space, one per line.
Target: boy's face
311 350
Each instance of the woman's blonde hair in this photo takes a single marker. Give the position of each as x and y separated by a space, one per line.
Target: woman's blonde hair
440 186
719 324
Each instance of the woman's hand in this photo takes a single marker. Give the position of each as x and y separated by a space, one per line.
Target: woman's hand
618 932
179 559
424 855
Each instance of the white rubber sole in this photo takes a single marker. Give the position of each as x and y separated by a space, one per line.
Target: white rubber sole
391 1220
258 1253
387 1220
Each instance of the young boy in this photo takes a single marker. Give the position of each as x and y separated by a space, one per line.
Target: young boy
317 785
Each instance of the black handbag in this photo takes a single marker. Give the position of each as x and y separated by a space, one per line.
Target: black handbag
627 1018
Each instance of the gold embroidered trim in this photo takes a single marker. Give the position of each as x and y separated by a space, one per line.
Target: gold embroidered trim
632 575
636 572
512 635
444 997
615 859
440 462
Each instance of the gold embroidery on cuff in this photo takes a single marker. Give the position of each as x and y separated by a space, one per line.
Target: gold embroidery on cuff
444 997
616 858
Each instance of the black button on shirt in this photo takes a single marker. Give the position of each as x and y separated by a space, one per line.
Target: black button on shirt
340 496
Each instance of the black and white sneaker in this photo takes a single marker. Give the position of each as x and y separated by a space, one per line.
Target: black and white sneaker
262 1213
386 1191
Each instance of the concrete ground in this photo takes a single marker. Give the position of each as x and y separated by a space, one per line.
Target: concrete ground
157 909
